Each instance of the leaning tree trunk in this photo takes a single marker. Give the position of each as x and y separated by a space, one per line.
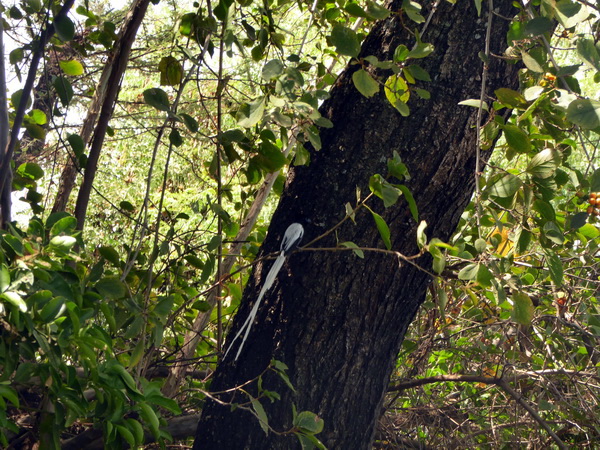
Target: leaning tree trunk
336 320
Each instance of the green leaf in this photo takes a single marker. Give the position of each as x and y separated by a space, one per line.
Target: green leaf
164 307
532 93
126 435
417 72
570 13
65 30
272 69
251 113
517 139
412 205
397 168
481 245
531 63
309 422
167 403
589 231
157 98
469 272
4 278
545 210
421 50
229 136
190 123
175 138
401 53
53 309
31 171
523 308
270 157
64 90
72 67
376 11
35 131
110 254
38 117
588 52
263 420
138 431
484 276
396 90
63 243
15 13
357 251
585 113
545 163
423 93
65 225
111 287
222 9
384 230
439 260
171 71
14 243
578 220
314 137
354 9
553 233
506 186
538 26
14 299
344 40
365 83
10 394
15 99
76 143
510 98
556 268
384 190
413 11
16 56
126 378
475 103
150 418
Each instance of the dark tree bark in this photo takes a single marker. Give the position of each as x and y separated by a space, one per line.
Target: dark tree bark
336 320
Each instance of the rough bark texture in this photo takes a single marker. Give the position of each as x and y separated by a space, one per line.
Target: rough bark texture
336 320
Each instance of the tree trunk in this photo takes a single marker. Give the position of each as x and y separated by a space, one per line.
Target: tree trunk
102 105
338 321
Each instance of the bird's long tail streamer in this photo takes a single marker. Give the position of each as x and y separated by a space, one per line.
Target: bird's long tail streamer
269 280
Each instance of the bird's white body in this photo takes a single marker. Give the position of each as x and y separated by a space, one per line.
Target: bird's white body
291 238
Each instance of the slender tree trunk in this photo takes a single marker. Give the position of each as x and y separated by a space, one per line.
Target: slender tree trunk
5 203
336 320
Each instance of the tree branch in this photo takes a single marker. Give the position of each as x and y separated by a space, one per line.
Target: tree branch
502 383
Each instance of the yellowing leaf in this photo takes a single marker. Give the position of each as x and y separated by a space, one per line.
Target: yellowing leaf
72 67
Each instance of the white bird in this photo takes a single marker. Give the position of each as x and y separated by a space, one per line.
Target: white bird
291 238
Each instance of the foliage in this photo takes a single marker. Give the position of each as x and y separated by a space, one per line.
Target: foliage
63 347
214 103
